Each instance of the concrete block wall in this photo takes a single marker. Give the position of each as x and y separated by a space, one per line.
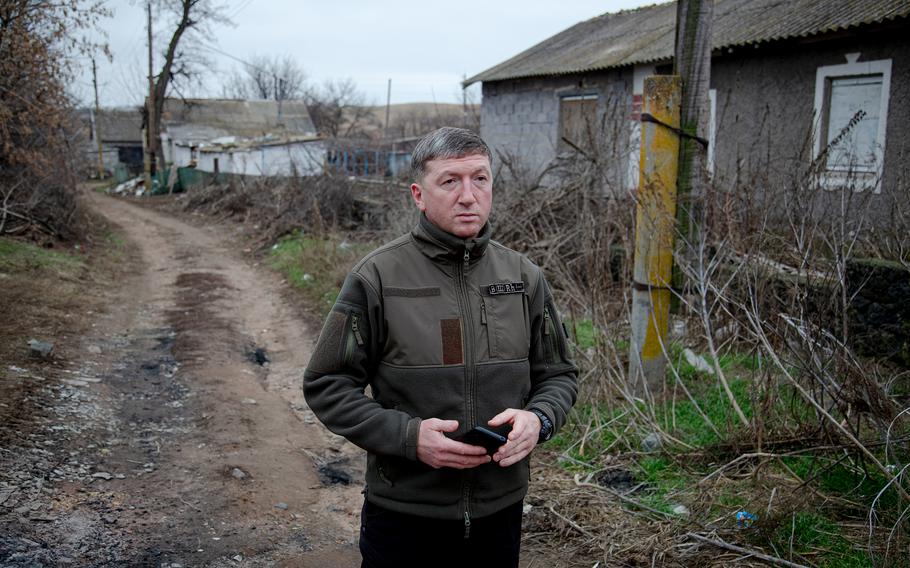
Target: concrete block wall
766 116
521 117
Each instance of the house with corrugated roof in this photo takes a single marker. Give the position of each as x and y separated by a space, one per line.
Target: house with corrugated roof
120 130
793 82
244 137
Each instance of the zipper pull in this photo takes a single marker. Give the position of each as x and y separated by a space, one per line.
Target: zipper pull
467 257
483 312
467 526
355 327
546 321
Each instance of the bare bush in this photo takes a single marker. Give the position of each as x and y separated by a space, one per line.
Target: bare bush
37 132
315 205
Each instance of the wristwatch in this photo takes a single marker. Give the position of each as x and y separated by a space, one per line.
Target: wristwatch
546 426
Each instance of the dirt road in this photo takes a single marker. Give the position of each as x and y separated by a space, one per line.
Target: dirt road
172 441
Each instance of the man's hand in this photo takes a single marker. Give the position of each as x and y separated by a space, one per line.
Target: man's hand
522 438
436 450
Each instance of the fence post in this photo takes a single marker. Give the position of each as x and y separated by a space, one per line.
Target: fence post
655 226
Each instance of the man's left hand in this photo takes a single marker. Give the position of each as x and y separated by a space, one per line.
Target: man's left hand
522 438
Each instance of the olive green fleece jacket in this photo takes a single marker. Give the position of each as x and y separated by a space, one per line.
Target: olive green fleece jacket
439 327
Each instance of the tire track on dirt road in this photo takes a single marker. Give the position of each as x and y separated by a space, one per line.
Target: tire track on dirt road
215 457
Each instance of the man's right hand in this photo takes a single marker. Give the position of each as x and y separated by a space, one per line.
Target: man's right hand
436 450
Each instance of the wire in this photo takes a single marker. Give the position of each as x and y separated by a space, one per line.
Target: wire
247 63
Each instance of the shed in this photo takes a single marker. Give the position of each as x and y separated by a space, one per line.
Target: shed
242 137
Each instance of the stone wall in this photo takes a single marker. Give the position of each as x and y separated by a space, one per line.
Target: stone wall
880 313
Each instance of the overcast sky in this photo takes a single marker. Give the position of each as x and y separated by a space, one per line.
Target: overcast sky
424 46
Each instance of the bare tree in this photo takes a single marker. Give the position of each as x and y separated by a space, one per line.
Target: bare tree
192 22
267 78
339 109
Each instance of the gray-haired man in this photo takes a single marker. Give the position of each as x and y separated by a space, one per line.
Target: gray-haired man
451 330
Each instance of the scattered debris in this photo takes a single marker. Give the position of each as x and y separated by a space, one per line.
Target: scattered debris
330 475
681 510
697 361
616 479
744 519
102 475
94 349
248 401
238 473
134 185
40 349
651 442
281 505
259 356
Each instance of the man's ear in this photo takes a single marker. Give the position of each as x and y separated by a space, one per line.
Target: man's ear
417 194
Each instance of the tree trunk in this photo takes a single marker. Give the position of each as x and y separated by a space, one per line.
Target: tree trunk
186 21
694 19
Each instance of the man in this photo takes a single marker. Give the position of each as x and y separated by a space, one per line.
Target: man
450 330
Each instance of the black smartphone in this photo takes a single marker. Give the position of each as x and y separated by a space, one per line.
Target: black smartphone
484 437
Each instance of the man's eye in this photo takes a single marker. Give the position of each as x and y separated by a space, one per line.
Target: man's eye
449 181
481 179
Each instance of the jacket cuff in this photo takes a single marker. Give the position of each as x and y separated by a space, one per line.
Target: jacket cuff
545 408
410 444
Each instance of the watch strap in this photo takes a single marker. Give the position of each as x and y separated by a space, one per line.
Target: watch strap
546 425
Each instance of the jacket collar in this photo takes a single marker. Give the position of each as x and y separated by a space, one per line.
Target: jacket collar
436 243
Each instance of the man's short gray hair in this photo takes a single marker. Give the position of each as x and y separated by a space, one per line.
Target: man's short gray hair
445 143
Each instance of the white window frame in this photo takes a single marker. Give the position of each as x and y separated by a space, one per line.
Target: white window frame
839 180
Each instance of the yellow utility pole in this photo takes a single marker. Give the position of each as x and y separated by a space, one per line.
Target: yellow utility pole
655 228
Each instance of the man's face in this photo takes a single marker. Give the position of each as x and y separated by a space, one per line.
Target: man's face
456 194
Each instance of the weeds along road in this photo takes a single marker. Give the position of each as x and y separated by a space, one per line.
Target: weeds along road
189 451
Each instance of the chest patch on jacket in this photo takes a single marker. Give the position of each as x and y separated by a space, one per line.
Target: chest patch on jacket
452 352
505 288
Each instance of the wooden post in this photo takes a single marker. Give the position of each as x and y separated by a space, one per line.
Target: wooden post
388 107
150 132
97 122
692 62
655 229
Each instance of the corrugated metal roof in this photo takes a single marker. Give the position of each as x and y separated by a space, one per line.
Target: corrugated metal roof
647 34
116 125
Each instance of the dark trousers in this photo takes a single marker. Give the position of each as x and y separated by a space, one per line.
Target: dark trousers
389 539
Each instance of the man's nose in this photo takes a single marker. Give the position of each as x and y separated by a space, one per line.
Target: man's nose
466 192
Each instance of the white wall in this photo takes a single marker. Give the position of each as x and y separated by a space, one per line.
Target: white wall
302 158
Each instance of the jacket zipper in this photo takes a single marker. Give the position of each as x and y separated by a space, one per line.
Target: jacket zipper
483 322
464 300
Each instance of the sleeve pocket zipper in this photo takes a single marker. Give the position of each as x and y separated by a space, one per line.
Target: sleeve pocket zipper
550 339
355 337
